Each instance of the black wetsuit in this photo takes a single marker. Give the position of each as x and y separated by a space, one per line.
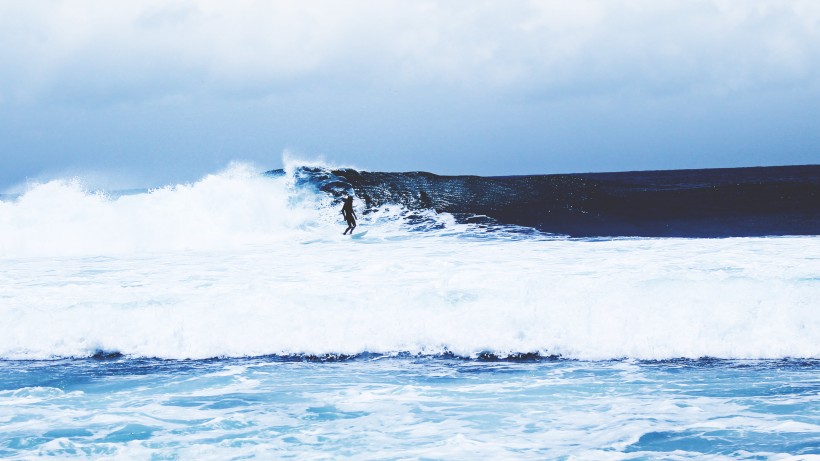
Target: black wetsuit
350 215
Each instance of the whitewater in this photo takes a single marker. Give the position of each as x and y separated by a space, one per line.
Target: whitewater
229 318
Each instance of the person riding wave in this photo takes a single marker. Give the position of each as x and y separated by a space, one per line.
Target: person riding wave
349 215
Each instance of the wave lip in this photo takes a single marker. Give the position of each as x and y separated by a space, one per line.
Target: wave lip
735 202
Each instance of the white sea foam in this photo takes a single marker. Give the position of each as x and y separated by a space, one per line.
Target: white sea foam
228 210
242 265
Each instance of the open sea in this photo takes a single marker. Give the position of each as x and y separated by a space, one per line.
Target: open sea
621 316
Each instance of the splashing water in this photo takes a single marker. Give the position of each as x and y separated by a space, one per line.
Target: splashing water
435 335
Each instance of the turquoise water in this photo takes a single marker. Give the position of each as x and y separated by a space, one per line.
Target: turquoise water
372 407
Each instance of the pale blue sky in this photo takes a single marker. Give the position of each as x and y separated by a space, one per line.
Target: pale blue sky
142 93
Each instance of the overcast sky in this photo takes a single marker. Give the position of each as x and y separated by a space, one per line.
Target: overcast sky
149 92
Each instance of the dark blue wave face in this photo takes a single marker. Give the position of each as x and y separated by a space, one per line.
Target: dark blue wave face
735 202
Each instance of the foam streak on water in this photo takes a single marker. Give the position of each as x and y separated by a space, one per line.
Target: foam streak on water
410 409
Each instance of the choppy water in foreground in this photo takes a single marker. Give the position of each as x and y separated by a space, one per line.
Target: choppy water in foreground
409 408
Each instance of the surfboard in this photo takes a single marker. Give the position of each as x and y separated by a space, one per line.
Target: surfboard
359 235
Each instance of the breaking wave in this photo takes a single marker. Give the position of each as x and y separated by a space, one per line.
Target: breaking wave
245 264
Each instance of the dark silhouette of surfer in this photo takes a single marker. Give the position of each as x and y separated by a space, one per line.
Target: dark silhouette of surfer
349 215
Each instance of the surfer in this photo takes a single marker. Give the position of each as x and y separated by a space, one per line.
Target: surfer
349 215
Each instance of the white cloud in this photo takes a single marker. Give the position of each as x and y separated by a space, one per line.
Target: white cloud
137 50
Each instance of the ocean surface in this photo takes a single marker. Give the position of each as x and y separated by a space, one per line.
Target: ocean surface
648 315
